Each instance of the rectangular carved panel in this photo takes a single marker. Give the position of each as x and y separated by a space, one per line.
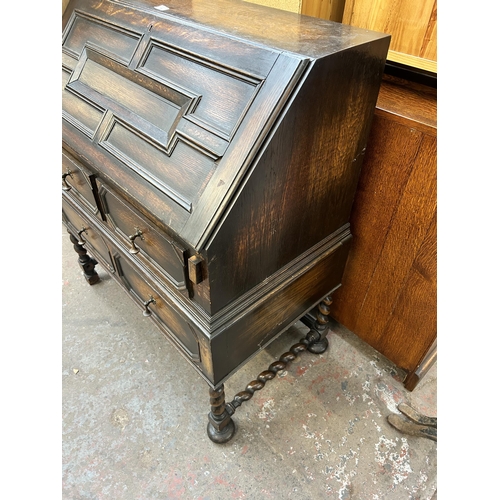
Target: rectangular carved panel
126 93
79 112
84 29
225 95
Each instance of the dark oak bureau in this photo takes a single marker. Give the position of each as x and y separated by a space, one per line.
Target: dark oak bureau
210 156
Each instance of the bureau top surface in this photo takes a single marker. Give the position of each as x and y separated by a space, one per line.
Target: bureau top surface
274 28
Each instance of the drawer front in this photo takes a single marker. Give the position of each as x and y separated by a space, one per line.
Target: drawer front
77 182
160 308
162 255
94 243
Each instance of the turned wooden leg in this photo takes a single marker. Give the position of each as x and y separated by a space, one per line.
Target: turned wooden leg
319 342
315 342
86 262
220 427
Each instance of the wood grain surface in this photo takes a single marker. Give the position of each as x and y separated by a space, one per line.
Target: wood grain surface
412 26
324 9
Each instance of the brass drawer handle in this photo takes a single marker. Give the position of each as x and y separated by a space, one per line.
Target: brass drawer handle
146 311
66 186
81 241
138 233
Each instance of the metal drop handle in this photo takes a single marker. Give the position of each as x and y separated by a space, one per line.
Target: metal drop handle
66 186
146 311
80 240
135 249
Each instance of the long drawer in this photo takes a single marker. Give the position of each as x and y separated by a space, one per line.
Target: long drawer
158 306
165 257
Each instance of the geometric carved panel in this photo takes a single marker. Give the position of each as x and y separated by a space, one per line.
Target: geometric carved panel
165 132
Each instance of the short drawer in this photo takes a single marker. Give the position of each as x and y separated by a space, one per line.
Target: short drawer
158 307
161 254
90 238
76 180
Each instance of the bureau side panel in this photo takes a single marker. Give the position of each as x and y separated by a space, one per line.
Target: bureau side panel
238 340
302 184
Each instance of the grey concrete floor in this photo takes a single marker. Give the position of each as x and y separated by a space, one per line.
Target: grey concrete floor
134 415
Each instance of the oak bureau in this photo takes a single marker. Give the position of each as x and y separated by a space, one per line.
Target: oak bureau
210 156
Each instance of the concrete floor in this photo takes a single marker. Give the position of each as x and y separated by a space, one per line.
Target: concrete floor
135 414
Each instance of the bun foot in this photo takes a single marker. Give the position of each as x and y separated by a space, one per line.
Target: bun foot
92 279
220 427
221 436
318 347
